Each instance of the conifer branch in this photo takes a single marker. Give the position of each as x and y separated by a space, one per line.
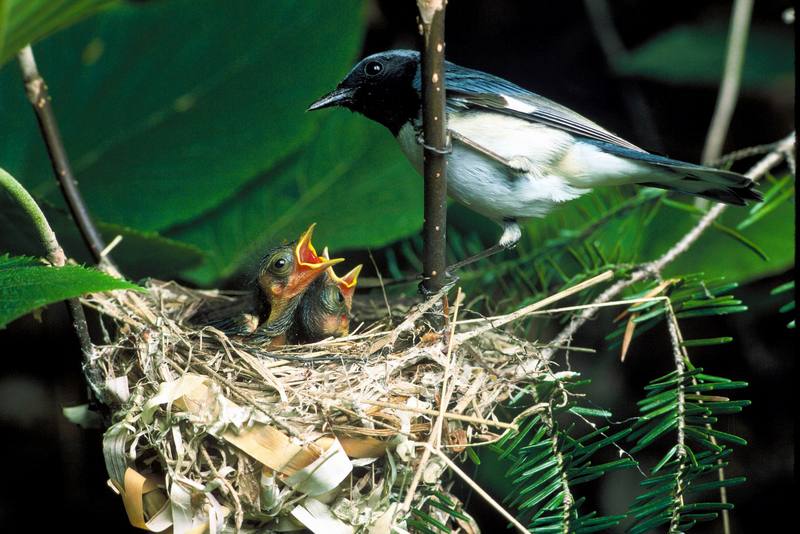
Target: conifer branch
783 147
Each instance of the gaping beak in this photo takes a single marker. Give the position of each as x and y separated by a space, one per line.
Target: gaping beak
347 283
341 96
308 265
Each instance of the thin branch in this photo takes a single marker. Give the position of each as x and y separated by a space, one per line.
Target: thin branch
782 148
731 80
36 89
479 490
55 255
444 399
434 258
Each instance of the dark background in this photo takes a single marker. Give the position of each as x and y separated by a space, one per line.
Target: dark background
55 472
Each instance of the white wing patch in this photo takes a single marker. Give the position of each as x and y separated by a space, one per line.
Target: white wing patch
518 105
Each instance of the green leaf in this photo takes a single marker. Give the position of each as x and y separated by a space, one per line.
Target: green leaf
23 22
769 56
350 182
27 284
139 254
187 118
706 342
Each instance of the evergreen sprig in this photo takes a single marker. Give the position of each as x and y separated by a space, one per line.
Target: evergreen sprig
685 405
550 459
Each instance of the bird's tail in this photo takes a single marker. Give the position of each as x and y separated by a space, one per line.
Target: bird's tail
715 184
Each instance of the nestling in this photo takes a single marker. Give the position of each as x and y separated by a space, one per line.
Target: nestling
267 313
515 155
324 310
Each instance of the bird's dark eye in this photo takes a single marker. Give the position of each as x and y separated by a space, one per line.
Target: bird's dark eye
339 297
280 265
373 68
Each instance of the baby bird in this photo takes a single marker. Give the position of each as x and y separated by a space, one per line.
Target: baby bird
267 313
324 310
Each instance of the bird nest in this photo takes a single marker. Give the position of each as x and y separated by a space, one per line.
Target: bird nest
211 432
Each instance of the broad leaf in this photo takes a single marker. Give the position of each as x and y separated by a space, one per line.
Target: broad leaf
26 284
23 22
187 118
139 254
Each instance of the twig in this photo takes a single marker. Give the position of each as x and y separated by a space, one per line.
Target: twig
757 171
731 80
447 415
436 431
479 490
36 89
383 287
55 255
434 258
680 357
522 312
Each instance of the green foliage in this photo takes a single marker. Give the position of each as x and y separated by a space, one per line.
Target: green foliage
23 22
696 54
789 306
686 406
26 284
549 459
138 251
177 126
691 296
433 513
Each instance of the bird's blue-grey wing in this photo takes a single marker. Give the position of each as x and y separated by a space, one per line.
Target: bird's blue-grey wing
471 89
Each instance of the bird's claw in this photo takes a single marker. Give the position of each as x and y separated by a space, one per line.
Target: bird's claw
449 281
448 149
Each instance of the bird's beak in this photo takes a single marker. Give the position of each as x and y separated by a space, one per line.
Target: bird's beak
341 96
308 265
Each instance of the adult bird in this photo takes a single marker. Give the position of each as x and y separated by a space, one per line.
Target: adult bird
267 311
324 310
515 155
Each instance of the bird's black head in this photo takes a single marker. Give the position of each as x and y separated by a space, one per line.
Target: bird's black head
384 87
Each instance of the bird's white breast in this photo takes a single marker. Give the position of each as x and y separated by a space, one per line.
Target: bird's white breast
491 188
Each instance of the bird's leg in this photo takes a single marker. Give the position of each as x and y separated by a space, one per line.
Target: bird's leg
517 164
511 236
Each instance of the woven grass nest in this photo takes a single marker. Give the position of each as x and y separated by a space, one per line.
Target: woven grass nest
210 433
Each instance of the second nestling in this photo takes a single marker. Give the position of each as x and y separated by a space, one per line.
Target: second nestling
296 297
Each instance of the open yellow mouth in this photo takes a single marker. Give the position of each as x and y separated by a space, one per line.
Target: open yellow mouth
306 255
346 283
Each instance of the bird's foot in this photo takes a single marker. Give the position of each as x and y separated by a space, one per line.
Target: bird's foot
448 149
450 280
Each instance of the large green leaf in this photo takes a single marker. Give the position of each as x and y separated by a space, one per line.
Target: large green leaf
696 54
140 254
26 21
188 118
27 284
349 181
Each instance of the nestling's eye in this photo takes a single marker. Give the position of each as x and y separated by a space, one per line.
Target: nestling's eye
339 297
373 68
280 265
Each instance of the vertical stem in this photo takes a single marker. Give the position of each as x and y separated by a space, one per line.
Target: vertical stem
55 255
36 89
436 143
731 79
